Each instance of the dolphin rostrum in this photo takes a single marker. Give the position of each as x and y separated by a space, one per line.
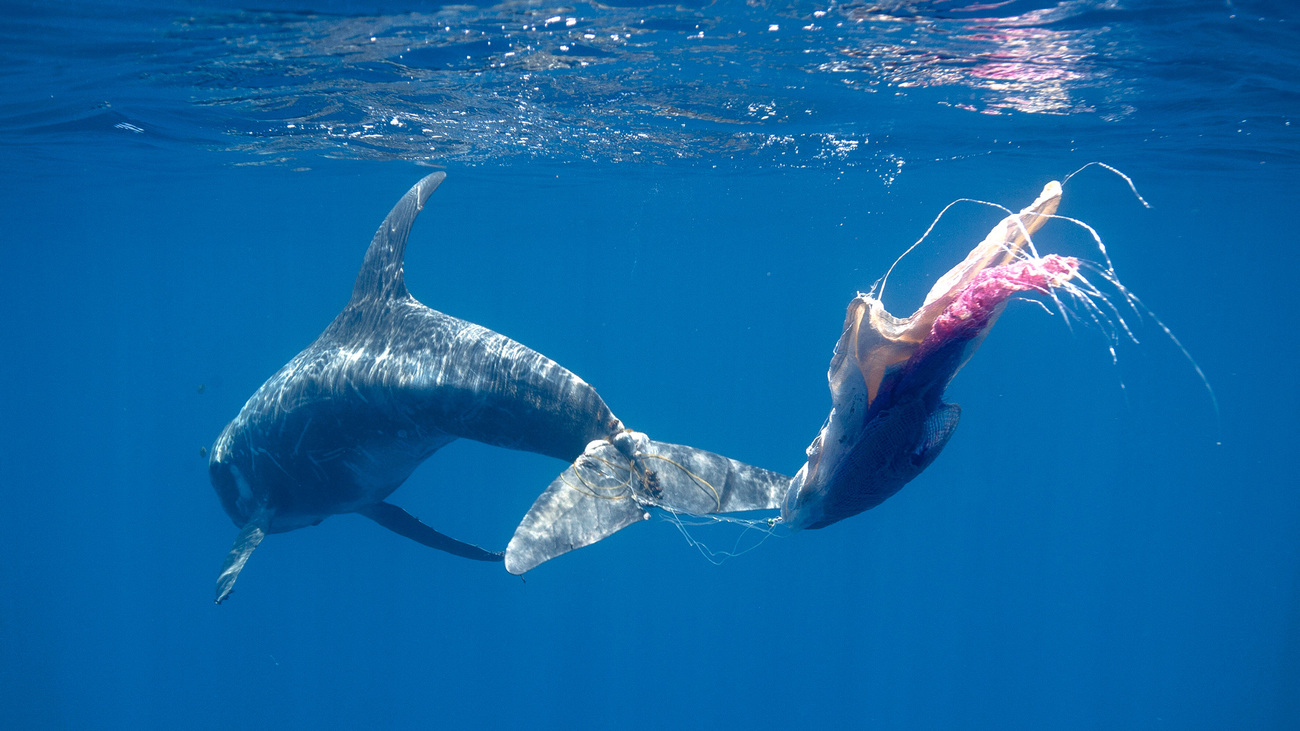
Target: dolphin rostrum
391 381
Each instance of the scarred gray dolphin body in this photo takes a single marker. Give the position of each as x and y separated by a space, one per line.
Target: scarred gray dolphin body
390 381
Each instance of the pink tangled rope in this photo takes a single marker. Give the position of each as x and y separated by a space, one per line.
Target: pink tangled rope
970 311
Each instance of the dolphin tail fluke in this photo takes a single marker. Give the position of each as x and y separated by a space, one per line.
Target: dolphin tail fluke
249 537
570 514
404 524
615 481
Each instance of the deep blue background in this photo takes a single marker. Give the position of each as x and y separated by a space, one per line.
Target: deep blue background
1096 547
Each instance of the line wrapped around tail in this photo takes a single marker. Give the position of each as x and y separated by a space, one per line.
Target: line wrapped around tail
616 480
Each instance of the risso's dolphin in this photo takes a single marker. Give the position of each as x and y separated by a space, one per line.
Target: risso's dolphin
391 381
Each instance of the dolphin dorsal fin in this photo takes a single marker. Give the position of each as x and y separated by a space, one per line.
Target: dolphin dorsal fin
380 278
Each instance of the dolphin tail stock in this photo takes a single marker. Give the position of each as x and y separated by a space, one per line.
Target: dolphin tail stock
248 539
404 524
616 480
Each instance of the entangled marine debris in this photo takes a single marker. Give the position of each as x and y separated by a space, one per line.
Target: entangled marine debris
889 420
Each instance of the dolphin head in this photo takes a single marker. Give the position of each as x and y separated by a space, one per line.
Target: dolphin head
233 476
251 485
233 487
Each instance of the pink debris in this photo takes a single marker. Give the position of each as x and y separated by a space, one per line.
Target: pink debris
970 312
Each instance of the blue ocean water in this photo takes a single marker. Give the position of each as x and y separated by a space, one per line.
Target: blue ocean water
676 202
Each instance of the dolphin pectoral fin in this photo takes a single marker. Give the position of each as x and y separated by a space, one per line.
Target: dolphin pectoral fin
613 483
404 524
249 537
